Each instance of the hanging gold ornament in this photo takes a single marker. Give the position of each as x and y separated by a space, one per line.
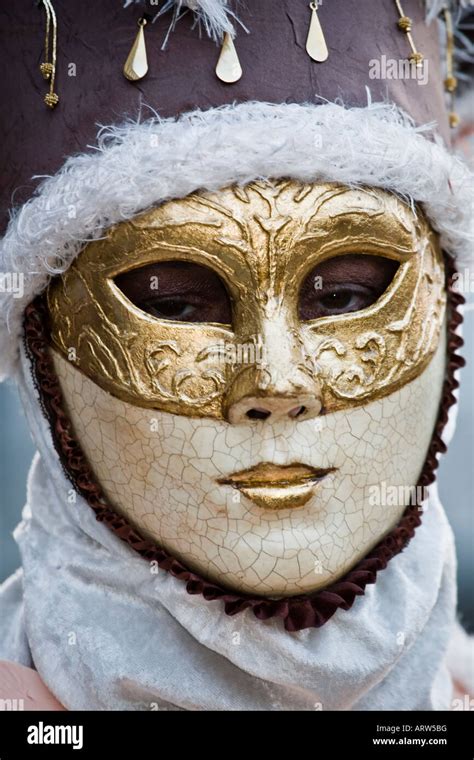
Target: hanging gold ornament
228 67
315 43
450 83
136 65
48 67
405 24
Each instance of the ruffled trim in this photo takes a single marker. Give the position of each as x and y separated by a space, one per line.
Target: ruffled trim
297 612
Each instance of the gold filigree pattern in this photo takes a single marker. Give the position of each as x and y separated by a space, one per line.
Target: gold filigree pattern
262 240
171 384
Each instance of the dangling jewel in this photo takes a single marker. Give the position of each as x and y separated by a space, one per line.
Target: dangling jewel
405 24
228 67
48 67
316 44
451 82
51 99
136 65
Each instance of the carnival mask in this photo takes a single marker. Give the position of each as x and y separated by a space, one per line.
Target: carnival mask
251 372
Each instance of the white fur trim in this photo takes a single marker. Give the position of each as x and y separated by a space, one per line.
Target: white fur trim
213 15
136 166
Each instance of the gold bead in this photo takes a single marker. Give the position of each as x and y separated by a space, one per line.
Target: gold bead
46 70
405 24
454 120
417 59
450 83
51 99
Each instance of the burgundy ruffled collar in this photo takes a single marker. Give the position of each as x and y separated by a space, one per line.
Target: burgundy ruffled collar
297 612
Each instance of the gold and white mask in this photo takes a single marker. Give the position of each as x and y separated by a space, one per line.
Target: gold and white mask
251 371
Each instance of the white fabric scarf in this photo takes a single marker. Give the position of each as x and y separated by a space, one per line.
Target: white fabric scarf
104 632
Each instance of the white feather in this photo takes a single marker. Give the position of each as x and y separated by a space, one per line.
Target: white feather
214 16
434 7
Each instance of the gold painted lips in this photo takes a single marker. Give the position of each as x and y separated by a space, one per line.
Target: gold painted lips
273 486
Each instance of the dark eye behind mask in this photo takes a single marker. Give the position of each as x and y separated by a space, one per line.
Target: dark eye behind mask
344 284
186 292
178 290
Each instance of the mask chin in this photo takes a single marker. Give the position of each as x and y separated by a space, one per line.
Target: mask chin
212 493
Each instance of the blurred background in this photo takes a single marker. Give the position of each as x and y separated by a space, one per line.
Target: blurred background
455 478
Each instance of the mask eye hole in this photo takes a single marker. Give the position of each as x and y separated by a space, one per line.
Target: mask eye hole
344 284
178 291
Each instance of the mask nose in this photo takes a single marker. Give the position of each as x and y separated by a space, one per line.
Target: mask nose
280 386
273 409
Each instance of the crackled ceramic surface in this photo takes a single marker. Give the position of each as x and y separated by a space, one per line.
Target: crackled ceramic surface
161 471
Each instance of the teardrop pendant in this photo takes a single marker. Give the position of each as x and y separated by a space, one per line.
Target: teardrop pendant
136 65
316 44
228 67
